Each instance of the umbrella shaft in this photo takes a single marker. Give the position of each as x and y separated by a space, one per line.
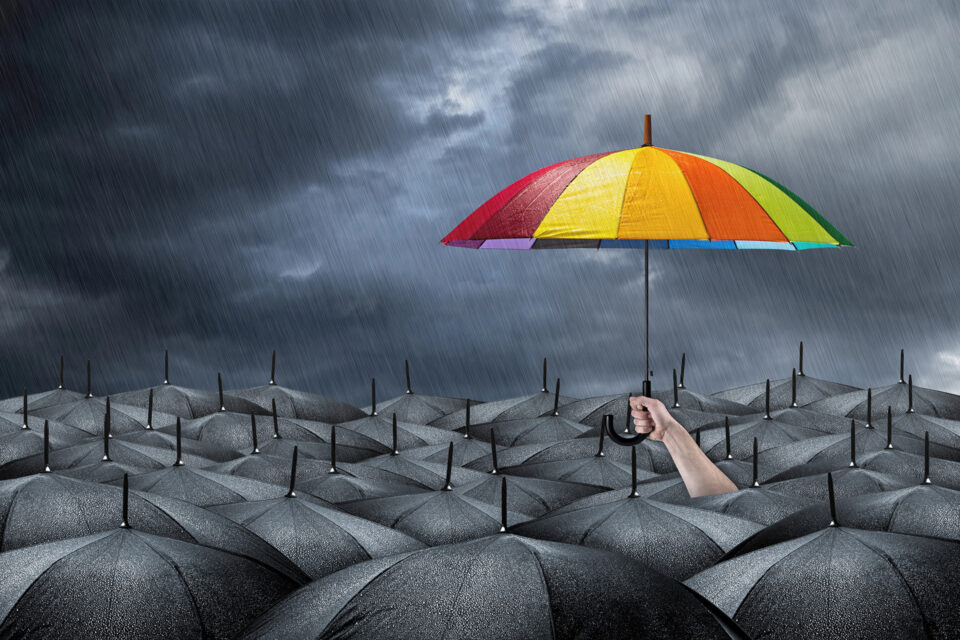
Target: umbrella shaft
646 314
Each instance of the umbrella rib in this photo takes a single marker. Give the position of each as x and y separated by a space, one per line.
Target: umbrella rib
546 587
903 579
450 617
183 581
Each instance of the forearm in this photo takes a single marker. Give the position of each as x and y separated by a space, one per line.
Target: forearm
700 475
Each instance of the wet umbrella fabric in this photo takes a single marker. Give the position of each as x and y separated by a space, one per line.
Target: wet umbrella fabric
434 517
47 507
533 497
519 408
841 582
299 405
320 539
127 583
674 540
500 587
921 510
187 403
548 429
757 504
87 414
379 428
902 397
203 488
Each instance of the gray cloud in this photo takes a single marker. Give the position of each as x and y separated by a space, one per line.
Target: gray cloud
225 178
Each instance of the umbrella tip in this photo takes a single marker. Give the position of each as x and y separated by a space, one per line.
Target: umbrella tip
503 505
446 483
333 450
543 389
166 366
833 505
556 400
406 367
901 380
124 522
647 131
293 475
493 451
220 391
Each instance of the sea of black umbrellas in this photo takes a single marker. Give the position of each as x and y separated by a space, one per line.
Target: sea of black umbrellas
273 512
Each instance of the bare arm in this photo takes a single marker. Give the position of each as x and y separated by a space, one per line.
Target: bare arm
700 475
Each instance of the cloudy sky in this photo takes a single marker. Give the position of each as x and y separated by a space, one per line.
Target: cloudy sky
224 178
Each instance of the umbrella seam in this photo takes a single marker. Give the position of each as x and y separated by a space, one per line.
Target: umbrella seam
460 588
546 586
763 575
183 581
903 579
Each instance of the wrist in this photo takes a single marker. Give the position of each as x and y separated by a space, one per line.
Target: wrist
673 433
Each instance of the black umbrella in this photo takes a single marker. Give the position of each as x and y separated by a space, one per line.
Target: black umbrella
840 582
201 487
470 449
921 510
682 397
754 502
291 403
135 456
17 442
942 431
677 541
903 396
189 403
547 428
834 451
590 412
797 391
415 407
46 507
442 516
582 461
44 399
500 587
529 406
735 441
87 414
531 496
343 482
317 537
128 583
380 428
806 419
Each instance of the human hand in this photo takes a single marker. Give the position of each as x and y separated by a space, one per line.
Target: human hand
655 421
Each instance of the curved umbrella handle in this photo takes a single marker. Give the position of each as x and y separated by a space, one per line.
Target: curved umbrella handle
633 439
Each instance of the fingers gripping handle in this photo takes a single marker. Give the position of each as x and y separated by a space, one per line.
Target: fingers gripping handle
631 440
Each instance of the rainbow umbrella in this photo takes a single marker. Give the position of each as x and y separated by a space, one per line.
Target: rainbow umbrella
649 198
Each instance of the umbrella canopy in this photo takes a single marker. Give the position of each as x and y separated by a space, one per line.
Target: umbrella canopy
796 391
291 403
529 406
754 502
499 587
921 510
942 431
128 583
443 516
545 429
19 443
581 460
682 397
414 407
87 414
533 497
43 399
590 411
387 430
316 536
189 403
840 583
735 441
903 397
676 541
47 507
203 488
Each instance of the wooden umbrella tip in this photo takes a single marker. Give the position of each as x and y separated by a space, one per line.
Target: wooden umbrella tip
647 131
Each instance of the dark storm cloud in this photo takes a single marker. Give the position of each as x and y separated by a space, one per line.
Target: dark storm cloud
225 178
